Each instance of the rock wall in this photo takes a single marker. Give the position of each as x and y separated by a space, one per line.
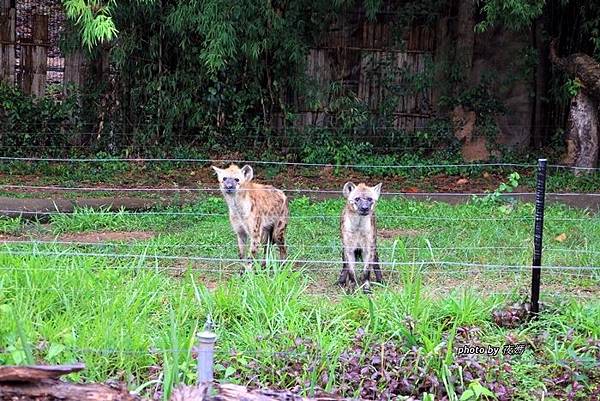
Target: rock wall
500 55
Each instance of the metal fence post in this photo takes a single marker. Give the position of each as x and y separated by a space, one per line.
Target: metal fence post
536 270
206 352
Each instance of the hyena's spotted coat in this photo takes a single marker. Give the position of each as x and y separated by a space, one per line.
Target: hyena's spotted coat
359 234
258 213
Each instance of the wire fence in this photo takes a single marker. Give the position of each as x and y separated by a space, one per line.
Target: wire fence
218 259
302 246
284 163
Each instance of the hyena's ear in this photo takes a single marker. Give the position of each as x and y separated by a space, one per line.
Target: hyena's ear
348 187
217 170
247 172
377 190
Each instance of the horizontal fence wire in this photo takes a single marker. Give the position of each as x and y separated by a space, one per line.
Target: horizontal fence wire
204 161
507 267
232 245
301 217
286 163
298 190
327 290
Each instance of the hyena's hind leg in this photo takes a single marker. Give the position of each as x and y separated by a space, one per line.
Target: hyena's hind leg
377 268
279 238
267 239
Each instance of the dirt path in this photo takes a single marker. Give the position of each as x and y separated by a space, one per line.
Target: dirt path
39 208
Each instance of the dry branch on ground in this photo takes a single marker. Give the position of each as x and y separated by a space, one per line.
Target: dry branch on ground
40 383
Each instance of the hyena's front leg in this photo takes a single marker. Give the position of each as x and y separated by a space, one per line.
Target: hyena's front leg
348 272
242 239
344 274
368 257
377 268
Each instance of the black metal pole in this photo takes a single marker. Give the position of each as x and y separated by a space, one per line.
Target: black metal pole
536 270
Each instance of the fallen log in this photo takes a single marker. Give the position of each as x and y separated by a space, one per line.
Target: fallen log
38 209
55 390
40 383
234 392
37 372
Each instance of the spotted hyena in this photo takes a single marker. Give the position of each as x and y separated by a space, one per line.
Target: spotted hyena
258 213
359 234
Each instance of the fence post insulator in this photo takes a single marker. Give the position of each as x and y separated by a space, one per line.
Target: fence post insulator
206 351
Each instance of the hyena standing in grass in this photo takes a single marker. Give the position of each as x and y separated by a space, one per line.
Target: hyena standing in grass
258 213
359 234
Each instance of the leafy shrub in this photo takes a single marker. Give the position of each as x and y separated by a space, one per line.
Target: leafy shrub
28 122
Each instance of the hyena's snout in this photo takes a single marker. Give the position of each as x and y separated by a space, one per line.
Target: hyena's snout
364 206
230 184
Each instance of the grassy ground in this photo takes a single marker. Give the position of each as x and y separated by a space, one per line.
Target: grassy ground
133 317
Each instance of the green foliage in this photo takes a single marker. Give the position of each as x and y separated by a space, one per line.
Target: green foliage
477 392
494 197
26 121
93 18
139 315
514 14
481 99
10 225
572 87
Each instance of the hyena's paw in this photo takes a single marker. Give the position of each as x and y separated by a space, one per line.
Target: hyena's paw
366 287
246 268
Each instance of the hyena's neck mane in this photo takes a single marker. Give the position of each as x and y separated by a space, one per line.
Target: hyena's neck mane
357 221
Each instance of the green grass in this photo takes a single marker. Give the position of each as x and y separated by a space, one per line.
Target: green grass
134 318
10 225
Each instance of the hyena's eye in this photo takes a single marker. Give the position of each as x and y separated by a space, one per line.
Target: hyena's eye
370 199
237 180
356 199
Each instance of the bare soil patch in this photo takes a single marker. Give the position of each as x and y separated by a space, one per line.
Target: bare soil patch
391 233
102 236
91 237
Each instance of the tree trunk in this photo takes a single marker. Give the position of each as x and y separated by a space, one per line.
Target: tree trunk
466 37
538 120
584 67
582 132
